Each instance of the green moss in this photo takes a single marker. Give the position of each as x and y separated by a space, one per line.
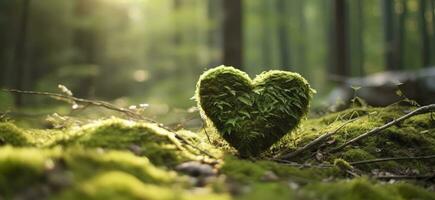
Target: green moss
357 155
21 168
276 191
144 139
405 139
251 115
122 159
342 164
10 134
89 162
362 189
116 185
249 171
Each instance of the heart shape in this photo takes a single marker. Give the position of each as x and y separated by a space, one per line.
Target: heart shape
251 115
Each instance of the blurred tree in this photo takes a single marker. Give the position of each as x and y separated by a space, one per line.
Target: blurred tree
283 33
391 55
85 44
432 9
20 51
266 28
425 43
213 40
401 32
302 43
340 46
356 37
232 33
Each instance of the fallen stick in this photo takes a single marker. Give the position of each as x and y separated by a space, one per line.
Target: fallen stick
418 111
400 177
392 159
315 142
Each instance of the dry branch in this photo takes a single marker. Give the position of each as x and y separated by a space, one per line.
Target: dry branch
84 101
401 177
418 111
315 142
392 159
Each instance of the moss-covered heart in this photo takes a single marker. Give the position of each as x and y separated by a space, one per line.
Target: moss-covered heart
251 115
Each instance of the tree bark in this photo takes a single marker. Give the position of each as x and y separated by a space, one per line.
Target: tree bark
232 33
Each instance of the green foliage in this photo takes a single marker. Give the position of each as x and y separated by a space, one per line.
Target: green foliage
251 115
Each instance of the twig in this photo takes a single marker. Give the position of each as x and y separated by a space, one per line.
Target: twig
193 146
425 177
300 165
392 159
315 142
84 101
418 111
204 127
3 115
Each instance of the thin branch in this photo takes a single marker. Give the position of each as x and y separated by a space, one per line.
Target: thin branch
392 159
84 101
418 111
300 165
401 177
204 127
315 142
4 114
193 146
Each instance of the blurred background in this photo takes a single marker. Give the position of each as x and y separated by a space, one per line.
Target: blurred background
153 51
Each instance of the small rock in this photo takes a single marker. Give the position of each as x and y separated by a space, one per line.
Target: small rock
269 176
136 149
293 185
196 169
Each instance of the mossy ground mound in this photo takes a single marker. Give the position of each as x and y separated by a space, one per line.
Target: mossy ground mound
122 159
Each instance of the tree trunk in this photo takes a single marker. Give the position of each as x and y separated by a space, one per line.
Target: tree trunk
424 35
390 52
432 6
266 47
85 42
360 38
402 35
283 34
301 39
213 38
232 33
340 46
20 51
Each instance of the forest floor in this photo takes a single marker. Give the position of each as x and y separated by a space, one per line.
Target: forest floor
115 158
